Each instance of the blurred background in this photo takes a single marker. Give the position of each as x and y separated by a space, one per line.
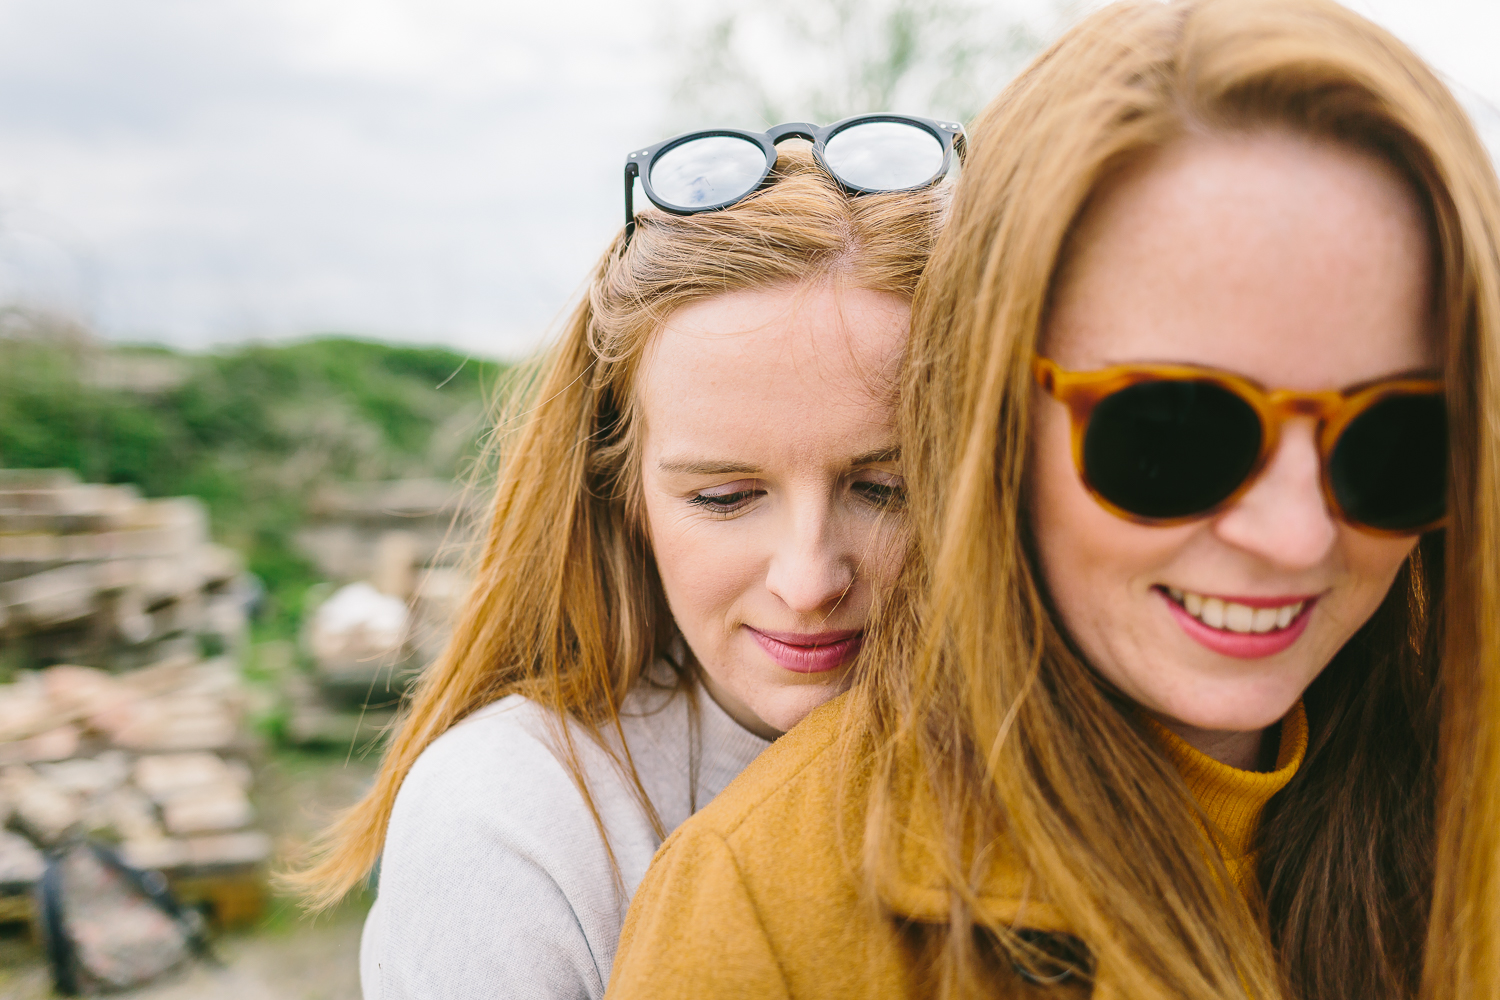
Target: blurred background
264 269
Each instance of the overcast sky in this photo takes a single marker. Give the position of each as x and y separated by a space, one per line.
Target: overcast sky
196 172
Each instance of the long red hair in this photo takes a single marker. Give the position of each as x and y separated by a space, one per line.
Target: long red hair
566 607
1380 862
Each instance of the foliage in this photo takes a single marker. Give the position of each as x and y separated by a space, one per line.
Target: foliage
253 431
821 60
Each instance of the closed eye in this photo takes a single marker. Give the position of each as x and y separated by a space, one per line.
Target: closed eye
726 503
886 495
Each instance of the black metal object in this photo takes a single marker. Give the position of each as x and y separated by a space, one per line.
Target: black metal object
62 951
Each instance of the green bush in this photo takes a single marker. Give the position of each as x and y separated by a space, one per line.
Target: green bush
254 431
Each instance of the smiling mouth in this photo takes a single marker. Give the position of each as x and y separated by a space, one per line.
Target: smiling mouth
1232 616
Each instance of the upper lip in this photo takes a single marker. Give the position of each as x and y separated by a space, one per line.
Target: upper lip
809 638
1251 602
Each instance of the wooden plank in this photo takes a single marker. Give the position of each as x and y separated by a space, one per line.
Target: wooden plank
16 908
231 900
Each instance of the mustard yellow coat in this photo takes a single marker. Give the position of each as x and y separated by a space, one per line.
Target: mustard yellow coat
758 894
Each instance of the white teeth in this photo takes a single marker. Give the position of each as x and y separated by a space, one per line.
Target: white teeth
1218 613
1238 617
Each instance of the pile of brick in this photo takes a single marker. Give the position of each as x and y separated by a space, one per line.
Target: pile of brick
95 575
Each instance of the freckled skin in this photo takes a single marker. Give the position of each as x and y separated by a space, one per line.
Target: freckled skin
1302 264
789 386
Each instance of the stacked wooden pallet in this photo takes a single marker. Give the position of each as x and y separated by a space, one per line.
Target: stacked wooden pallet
155 761
121 708
95 575
398 549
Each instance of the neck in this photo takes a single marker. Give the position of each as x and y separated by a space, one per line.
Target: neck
736 709
1251 751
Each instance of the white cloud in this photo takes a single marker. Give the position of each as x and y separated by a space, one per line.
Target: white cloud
438 170
441 170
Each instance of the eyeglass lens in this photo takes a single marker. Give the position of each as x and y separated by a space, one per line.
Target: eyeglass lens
884 156
1175 449
1389 469
1170 449
709 171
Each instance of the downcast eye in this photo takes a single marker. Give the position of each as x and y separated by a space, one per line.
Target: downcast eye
881 494
730 501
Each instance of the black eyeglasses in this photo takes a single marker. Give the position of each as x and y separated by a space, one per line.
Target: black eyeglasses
714 168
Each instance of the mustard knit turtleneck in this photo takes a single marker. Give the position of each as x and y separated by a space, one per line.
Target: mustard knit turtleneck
1232 800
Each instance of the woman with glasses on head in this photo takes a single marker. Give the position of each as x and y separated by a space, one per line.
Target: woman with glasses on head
698 502
1192 684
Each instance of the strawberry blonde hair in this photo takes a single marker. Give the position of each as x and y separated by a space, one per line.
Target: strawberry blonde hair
566 607
1379 864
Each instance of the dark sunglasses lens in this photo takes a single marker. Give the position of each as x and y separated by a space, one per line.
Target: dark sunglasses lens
1389 468
708 172
884 156
1170 449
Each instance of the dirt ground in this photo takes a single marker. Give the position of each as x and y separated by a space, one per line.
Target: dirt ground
286 957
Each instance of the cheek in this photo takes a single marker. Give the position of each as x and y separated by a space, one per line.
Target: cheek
1063 517
704 565
1372 564
1093 562
883 549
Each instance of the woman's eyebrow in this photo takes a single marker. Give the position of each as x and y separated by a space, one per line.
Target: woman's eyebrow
711 467
878 456
705 467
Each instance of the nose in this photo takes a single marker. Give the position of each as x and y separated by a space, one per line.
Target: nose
1283 517
813 567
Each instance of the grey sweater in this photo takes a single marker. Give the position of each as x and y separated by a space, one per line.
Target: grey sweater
495 882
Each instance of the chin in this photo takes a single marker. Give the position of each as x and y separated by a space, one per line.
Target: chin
789 706
1232 711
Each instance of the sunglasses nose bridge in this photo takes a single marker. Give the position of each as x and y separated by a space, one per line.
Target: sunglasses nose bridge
1319 406
793 130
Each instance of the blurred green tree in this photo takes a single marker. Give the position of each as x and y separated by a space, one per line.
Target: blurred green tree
821 60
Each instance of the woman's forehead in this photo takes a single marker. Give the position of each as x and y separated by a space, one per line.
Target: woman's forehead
1290 259
762 342
751 368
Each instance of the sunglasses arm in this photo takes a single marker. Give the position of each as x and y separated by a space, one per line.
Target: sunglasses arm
1045 373
632 171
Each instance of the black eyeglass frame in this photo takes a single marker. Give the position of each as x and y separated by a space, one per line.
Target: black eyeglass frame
950 135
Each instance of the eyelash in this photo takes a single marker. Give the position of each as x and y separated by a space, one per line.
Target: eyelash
724 504
886 496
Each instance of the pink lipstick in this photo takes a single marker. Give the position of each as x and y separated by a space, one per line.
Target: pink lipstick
809 652
1243 645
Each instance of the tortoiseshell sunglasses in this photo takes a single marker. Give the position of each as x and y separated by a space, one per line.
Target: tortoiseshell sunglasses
1163 444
